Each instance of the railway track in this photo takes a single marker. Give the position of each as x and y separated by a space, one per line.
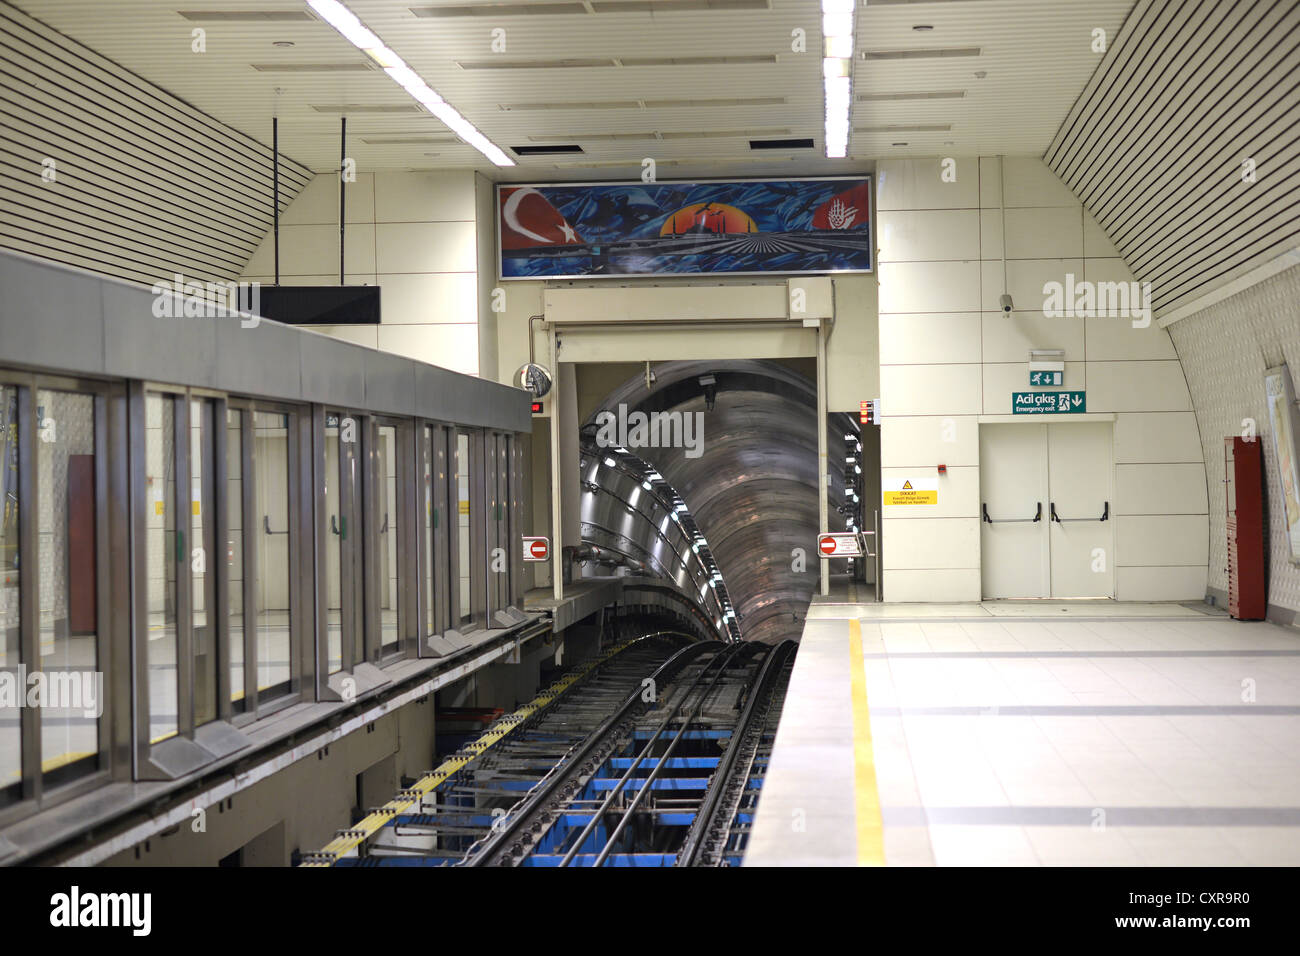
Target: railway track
651 755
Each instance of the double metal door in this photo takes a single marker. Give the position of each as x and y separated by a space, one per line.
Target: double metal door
1045 508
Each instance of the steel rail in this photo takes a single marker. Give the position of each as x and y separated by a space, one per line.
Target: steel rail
721 800
663 759
506 837
355 838
722 659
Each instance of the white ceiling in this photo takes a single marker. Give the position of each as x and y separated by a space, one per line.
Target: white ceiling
1036 56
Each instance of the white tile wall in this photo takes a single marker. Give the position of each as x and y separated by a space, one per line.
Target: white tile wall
1157 437
918 184
928 234
416 236
1010 338
930 287
1160 489
943 337
917 441
1137 387
934 586
929 543
1160 583
959 491
930 389
949 354
1153 540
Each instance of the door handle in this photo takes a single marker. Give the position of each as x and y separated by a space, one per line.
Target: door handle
984 510
1105 514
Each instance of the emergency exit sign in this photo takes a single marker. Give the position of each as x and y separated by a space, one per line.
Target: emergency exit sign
1048 403
1045 378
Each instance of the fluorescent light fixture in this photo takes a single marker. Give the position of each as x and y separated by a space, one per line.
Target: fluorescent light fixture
837 73
609 462
355 32
833 66
838 46
647 486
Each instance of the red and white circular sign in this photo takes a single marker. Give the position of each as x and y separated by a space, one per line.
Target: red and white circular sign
840 544
537 549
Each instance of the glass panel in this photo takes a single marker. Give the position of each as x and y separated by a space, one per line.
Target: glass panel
161 544
235 551
272 474
65 481
386 473
10 726
333 546
463 523
426 540
203 583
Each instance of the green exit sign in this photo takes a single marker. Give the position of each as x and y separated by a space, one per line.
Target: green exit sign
1045 378
1048 403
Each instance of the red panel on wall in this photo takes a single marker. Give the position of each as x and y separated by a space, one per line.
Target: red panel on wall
81 544
1244 487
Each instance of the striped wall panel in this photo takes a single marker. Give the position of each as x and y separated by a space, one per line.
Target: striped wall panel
1158 144
143 185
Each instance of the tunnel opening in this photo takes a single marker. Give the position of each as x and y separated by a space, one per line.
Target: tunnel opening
705 473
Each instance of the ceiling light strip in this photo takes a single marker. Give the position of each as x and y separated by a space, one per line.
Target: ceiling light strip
837 73
355 32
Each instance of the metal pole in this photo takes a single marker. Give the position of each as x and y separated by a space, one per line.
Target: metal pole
880 585
275 189
557 497
343 159
823 510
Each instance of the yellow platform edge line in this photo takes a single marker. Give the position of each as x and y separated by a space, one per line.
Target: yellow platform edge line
368 826
866 797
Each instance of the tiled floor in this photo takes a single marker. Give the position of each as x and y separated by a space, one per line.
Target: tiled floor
1041 734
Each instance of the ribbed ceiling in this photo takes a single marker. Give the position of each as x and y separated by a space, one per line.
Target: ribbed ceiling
142 185
687 82
1155 147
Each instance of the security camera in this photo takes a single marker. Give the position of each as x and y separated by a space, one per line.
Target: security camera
1005 299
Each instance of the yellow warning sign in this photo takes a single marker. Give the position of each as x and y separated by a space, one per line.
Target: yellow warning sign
905 492
914 496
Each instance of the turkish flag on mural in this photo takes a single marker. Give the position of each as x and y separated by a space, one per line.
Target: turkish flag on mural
846 210
528 219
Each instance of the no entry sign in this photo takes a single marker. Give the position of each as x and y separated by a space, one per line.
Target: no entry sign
839 545
537 549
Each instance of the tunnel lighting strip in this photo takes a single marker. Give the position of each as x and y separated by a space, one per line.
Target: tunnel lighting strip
837 73
351 838
359 35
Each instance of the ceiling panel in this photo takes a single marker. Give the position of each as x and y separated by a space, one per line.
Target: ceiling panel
1035 57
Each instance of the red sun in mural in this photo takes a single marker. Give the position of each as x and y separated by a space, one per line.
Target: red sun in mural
710 217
